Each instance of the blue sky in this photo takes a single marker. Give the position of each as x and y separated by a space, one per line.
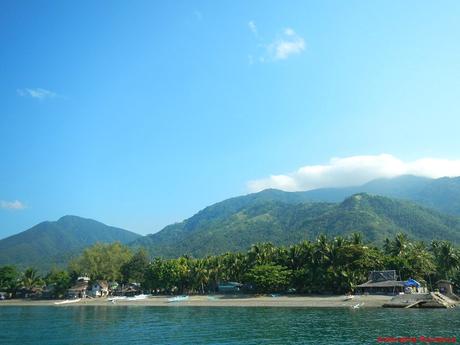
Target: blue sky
140 114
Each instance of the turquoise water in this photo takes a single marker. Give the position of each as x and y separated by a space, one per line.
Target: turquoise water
196 325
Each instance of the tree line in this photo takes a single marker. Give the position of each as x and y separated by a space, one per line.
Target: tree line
326 265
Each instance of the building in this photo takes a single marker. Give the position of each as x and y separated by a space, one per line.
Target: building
99 288
381 283
230 287
446 288
78 290
129 290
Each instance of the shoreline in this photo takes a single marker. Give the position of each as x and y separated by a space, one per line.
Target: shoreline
368 301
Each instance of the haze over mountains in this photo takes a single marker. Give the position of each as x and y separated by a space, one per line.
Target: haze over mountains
423 208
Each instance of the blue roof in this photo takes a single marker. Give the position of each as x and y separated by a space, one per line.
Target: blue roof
411 282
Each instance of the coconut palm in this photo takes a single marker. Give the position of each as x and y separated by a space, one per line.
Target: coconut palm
30 279
447 258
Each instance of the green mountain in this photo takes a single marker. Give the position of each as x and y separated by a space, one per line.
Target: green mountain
441 194
54 243
235 224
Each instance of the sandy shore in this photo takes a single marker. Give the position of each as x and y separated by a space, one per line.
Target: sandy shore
222 301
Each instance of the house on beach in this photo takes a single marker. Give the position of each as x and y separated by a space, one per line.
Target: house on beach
446 288
381 282
230 287
78 290
99 288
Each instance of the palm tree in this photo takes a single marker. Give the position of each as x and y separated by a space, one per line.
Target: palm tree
400 245
30 279
447 258
200 274
356 238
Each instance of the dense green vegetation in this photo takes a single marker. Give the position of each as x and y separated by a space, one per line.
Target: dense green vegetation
51 244
441 194
274 216
236 223
326 265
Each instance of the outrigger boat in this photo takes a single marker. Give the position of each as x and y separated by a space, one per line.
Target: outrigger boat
68 301
137 297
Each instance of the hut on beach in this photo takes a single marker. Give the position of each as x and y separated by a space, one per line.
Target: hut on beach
230 287
100 288
446 288
129 290
78 290
381 282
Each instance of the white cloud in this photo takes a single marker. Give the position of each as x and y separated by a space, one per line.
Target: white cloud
356 170
12 205
283 46
38 93
289 43
252 26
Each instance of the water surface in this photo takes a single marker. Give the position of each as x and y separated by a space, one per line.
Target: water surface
204 325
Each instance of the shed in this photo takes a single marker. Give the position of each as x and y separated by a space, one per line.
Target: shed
230 287
446 288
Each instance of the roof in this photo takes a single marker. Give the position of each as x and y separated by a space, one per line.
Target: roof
103 284
386 283
443 281
412 282
231 284
78 286
378 276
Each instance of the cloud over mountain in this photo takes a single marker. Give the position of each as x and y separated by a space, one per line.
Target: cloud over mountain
355 170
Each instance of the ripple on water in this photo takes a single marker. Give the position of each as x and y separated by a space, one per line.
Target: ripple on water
232 326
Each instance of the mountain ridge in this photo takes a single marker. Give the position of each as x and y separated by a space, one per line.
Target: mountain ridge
220 227
53 242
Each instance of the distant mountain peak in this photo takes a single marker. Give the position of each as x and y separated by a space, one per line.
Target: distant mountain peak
54 242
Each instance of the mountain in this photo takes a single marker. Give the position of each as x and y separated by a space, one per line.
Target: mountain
54 243
441 194
235 224
270 215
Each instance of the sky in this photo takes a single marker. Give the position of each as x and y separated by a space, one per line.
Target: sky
139 114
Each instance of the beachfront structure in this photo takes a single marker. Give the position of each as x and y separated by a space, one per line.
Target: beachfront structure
129 290
381 282
446 288
99 288
78 290
230 287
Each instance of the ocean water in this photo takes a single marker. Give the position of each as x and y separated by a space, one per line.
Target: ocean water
199 325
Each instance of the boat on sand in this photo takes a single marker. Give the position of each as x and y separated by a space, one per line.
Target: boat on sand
68 301
137 297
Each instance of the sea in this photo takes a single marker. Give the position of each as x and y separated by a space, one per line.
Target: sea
218 325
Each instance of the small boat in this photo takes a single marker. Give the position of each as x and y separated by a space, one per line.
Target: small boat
137 297
68 301
178 298
349 298
357 306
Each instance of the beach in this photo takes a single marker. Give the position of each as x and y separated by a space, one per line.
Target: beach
366 301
